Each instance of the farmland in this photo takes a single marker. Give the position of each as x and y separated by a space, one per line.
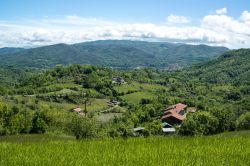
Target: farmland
224 149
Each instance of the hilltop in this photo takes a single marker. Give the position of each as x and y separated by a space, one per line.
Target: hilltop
121 54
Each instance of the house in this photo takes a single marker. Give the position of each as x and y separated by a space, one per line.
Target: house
175 114
118 80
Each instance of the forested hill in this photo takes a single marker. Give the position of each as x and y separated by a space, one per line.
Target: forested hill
10 50
231 67
112 53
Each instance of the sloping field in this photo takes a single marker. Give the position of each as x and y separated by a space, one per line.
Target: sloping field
224 149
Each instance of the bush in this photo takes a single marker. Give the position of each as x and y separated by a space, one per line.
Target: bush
226 119
145 101
83 127
39 124
200 123
243 122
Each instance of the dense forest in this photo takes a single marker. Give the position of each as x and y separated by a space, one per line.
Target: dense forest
40 101
119 54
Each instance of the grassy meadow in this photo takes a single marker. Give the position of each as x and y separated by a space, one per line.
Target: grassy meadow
224 149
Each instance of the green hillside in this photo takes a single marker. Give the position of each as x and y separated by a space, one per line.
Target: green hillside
114 53
10 50
218 89
232 67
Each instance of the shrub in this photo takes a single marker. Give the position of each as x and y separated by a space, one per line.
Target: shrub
200 123
39 124
83 127
243 122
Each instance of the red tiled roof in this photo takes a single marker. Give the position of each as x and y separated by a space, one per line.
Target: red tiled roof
177 108
175 115
173 111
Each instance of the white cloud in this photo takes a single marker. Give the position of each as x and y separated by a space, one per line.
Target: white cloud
214 29
236 30
245 17
177 19
221 11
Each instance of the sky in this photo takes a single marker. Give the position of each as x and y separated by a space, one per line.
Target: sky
32 23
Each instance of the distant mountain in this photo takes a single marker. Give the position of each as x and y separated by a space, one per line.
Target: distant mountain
10 50
231 67
113 53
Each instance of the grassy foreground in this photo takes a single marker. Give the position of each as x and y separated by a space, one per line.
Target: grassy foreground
225 149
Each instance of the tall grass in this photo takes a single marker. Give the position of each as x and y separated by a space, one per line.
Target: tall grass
214 150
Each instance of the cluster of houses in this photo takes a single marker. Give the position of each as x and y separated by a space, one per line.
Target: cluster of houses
173 116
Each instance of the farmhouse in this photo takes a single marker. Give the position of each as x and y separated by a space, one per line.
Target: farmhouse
174 115
118 80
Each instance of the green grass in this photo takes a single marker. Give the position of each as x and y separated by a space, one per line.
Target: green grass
135 98
92 105
106 117
225 149
127 87
137 86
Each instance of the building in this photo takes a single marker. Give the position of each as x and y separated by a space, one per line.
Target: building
118 80
113 103
167 128
138 131
175 114
79 111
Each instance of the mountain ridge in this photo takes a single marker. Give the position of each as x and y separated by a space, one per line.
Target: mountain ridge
123 54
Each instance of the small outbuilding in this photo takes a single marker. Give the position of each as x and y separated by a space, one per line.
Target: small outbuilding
113 103
77 109
118 80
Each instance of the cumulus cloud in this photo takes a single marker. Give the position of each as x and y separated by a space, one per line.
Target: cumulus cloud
215 29
221 11
177 19
236 30
245 17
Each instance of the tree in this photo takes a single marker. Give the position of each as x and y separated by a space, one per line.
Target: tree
39 124
154 127
243 122
226 119
83 127
17 124
200 123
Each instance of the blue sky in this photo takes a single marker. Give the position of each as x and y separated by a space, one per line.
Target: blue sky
129 10
156 20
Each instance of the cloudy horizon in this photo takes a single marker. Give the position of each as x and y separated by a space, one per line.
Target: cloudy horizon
217 28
